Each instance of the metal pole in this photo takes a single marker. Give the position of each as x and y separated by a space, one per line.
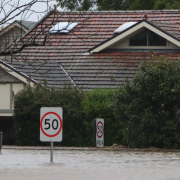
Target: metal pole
94 132
51 154
1 139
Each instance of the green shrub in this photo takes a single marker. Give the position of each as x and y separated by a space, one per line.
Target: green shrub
98 103
27 104
149 105
141 114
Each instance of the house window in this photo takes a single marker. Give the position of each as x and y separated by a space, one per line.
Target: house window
147 38
63 27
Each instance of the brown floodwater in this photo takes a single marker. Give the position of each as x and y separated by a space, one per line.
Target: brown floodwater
88 165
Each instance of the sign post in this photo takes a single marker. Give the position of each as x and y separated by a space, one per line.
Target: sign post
51 157
1 139
99 132
51 126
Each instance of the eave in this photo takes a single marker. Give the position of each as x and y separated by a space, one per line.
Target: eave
10 27
17 74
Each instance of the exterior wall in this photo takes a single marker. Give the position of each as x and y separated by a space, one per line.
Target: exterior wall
8 85
6 97
10 35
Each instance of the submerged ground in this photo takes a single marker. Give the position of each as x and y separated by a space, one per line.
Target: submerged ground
88 164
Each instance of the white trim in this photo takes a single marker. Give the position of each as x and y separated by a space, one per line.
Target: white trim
16 75
6 114
132 30
10 27
124 27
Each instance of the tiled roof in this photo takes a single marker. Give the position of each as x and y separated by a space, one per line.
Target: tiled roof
172 28
109 70
52 72
65 59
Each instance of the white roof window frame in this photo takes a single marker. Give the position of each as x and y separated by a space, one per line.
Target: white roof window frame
124 34
63 27
124 27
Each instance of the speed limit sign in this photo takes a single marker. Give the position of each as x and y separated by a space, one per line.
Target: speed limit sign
51 124
99 132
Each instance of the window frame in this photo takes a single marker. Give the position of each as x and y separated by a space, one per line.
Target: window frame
147 36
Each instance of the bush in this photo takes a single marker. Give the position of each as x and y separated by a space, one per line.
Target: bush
27 104
98 104
149 105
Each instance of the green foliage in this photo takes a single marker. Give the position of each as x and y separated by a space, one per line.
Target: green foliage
166 4
140 4
79 111
75 4
141 114
112 4
27 106
84 5
73 127
149 106
153 4
98 104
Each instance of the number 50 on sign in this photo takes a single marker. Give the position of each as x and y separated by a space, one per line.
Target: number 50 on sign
51 124
99 132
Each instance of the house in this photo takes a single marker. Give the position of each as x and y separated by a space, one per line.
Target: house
91 49
14 31
11 82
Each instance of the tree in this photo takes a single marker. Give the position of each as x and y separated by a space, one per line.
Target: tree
75 4
10 11
153 4
98 103
149 105
85 5
27 104
140 4
112 4
167 4
38 36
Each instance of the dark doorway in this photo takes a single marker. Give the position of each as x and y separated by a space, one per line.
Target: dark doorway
6 126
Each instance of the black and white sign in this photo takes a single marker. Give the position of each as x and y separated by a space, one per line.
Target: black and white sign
99 132
51 124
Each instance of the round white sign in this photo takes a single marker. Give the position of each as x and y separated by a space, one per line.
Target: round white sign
51 124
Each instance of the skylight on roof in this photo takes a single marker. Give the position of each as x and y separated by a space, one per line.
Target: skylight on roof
124 26
63 27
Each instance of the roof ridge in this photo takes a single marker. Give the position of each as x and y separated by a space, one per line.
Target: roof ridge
128 11
67 74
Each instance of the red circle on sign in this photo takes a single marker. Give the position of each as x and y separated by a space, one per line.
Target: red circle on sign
103 129
42 122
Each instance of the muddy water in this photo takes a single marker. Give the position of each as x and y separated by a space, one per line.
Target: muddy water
88 165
